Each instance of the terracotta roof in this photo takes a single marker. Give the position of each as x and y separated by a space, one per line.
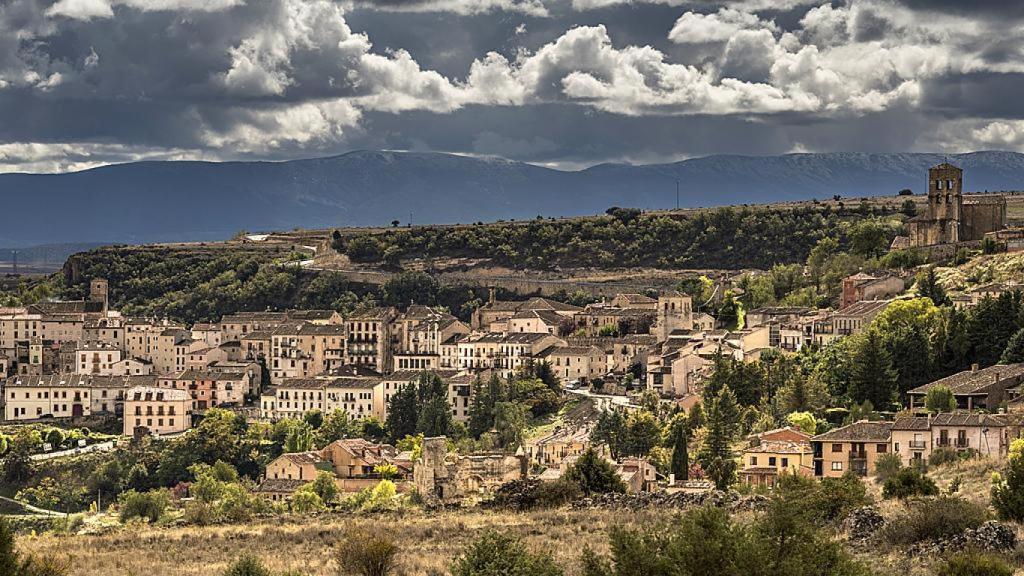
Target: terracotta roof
965 419
862 431
974 382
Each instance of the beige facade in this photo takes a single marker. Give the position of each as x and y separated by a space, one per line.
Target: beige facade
854 448
576 363
914 438
369 339
359 397
156 411
99 359
305 350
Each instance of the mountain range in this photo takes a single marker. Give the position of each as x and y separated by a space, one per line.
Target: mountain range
180 201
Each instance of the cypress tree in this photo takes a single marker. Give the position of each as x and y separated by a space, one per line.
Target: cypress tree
680 450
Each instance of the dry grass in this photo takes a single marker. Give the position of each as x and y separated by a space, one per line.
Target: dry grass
428 542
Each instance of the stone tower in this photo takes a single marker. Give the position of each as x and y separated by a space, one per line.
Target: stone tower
946 201
99 292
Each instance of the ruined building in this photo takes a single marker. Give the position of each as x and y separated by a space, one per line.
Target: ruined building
444 479
949 218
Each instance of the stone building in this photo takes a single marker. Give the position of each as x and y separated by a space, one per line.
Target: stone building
442 479
950 218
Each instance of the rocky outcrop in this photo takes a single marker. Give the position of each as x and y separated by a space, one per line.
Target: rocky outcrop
679 500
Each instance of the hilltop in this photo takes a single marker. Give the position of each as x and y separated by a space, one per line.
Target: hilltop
146 202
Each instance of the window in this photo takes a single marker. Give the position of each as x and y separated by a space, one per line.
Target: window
837 466
785 462
753 460
882 448
837 447
771 460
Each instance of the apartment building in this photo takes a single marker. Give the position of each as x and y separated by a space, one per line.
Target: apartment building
153 410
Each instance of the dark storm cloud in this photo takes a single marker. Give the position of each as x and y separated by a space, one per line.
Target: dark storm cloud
84 82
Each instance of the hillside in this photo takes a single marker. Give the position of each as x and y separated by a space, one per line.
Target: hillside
177 201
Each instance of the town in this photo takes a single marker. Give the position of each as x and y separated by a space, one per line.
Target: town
884 374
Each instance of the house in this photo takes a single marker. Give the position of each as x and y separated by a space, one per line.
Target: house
369 335
776 452
494 316
848 321
152 410
915 437
638 474
575 363
358 397
564 442
853 448
359 458
97 358
55 395
353 462
866 287
279 489
985 388
302 466
302 350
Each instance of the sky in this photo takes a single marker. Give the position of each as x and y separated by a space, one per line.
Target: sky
563 83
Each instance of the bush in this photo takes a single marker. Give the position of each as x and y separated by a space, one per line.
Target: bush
942 456
306 501
594 475
247 566
14 563
932 519
974 563
837 497
367 553
909 482
887 466
494 554
146 505
1008 491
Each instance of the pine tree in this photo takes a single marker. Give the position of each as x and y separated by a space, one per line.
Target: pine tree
480 416
716 456
729 412
929 287
1014 351
911 356
680 448
872 376
952 345
435 412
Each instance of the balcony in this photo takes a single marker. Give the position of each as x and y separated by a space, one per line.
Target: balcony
858 455
918 444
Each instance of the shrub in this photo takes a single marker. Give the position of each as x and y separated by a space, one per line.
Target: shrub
1008 491
909 482
305 501
594 475
933 518
247 566
382 496
887 466
14 563
942 456
974 563
940 399
367 553
494 554
837 497
146 505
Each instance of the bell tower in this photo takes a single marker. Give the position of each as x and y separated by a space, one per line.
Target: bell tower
945 200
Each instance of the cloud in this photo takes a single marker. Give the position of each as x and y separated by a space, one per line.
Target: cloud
123 79
697 28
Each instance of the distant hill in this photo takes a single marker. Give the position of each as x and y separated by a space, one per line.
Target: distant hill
172 201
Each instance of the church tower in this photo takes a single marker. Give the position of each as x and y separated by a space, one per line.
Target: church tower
946 201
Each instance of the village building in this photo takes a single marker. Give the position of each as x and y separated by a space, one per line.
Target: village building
576 363
863 287
442 479
552 449
358 397
774 453
300 350
494 316
984 388
369 338
853 448
153 410
849 321
914 438
97 358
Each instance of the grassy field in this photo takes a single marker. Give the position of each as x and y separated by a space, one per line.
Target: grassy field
429 541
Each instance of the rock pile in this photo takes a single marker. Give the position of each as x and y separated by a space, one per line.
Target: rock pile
863 522
679 500
991 535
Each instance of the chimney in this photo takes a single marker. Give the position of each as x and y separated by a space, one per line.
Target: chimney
995 378
974 368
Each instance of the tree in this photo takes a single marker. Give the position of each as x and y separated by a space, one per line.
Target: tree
325 487
435 412
643 432
868 239
680 448
909 208
510 424
928 287
336 426
940 399
299 439
715 456
410 288
1008 490
594 474
803 420
611 431
481 416
403 413
1014 352
364 249
729 311
872 376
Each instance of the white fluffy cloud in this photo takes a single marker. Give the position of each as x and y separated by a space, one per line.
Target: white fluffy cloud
697 28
